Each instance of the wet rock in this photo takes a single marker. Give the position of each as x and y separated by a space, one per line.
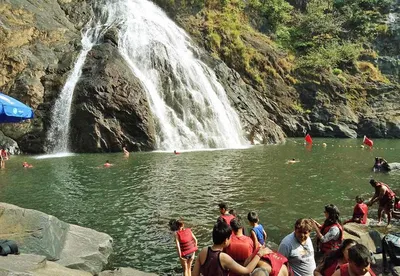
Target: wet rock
125 271
111 105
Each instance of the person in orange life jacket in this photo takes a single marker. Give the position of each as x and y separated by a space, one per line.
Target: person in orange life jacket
335 259
213 262
386 198
359 263
225 215
241 247
186 246
330 234
360 212
258 234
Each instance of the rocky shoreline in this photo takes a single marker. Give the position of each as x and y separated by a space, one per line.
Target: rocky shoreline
49 246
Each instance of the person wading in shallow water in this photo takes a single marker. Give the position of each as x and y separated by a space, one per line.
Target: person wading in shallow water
386 198
126 152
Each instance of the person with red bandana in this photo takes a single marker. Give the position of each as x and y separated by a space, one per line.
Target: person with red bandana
186 245
330 234
386 198
359 263
225 215
360 212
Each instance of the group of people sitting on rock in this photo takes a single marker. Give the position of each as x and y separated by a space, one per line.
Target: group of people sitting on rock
234 253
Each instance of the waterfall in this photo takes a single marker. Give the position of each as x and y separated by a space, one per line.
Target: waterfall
58 134
190 106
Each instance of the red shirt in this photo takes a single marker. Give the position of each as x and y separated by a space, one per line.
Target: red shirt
361 211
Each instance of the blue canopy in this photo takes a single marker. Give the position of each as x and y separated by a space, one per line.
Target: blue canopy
13 111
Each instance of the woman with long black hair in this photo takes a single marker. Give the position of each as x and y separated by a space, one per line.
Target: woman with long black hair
330 233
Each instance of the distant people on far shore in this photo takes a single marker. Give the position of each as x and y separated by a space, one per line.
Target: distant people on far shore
126 152
4 156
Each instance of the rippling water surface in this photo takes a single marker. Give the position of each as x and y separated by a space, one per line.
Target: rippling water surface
133 200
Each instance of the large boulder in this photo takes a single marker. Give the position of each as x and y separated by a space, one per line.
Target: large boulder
34 265
69 245
110 107
365 235
125 271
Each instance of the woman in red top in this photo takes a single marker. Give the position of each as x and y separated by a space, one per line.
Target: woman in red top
335 259
186 245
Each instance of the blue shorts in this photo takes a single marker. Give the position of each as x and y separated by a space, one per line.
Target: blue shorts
188 256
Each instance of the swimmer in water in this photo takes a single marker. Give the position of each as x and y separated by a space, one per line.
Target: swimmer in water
292 161
126 152
107 164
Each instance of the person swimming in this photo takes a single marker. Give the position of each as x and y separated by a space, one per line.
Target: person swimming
126 152
26 165
292 161
175 152
107 164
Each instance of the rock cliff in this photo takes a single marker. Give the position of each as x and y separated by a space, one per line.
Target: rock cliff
39 43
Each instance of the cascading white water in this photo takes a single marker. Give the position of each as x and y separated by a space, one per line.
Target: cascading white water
190 106
58 134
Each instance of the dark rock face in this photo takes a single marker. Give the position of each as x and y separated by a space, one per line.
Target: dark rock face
260 129
110 107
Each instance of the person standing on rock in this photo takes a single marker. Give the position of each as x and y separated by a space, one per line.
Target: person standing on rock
386 198
186 245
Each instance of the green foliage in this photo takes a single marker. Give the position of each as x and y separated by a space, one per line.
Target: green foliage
337 71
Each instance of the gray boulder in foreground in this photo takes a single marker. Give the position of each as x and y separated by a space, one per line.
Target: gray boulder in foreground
35 265
41 234
125 271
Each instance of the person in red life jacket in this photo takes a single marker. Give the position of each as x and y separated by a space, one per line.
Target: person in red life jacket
360 212
107 164
241 247
186 245
26 165
225 215
258 234
213 262
335 259
359 263
175 152
330 234
3 158
386 198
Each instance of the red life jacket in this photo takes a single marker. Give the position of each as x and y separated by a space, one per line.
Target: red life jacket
328 246
330 270
276 260
389 193
344 270
227 218
186 241
361 211
240 248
